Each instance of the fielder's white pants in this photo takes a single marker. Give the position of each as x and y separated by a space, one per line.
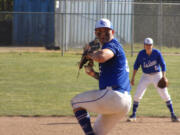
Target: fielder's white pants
145 81
109 104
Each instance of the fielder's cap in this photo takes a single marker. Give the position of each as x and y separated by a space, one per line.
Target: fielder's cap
104 23
148 41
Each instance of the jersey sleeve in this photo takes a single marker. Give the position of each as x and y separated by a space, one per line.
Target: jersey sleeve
137 62
112 47
162 62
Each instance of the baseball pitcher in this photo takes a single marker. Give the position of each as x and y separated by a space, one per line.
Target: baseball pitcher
112 101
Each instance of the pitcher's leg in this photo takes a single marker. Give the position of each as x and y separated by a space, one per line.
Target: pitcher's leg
83 102
91 100
104 123
84 120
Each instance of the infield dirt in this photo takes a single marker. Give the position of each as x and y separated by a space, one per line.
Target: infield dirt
69 126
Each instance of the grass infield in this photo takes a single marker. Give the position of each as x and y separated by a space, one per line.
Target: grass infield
42 84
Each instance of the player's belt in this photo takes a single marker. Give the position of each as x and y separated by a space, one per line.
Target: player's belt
117 88
152 73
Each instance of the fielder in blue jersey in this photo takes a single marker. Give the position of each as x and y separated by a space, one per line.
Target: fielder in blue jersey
112 101
153 68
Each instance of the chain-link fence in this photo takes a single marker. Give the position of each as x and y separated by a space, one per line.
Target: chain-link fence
158 20
133 21
71 25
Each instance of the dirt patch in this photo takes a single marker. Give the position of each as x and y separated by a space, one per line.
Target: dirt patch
69 126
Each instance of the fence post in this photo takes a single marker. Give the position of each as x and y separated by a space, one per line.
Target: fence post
132 30
160 25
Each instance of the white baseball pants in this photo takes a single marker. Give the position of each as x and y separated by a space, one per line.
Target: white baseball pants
145 81
109 104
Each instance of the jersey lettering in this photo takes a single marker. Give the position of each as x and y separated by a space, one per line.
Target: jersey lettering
156 68
149 64
127 67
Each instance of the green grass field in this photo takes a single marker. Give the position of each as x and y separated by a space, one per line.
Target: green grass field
42 84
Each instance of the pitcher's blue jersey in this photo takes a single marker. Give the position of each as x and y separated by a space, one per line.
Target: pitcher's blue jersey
115 72
150 64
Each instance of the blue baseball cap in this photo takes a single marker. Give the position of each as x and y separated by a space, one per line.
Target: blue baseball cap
148 41
104 23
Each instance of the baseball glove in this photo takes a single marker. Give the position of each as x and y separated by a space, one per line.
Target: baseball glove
92 46
163 82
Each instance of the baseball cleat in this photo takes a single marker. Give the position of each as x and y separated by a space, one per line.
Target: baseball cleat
174 119
132 118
